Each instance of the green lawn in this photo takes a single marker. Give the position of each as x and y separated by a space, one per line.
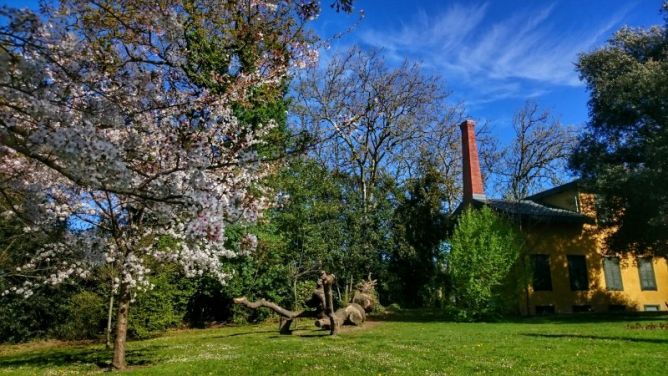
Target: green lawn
404 345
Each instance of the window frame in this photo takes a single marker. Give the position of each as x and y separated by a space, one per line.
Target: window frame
649 261
652 308
607 273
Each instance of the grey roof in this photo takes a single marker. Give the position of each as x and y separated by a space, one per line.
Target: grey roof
558 189
532 210
530 207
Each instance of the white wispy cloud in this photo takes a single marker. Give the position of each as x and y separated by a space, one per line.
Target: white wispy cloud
521 54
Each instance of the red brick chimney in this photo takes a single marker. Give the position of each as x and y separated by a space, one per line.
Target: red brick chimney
473 187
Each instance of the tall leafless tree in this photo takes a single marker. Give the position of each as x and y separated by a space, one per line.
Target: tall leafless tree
538 153
368 118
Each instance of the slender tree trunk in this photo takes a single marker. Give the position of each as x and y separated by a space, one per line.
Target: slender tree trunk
294 294
338 293
109 317
347 297
327 282
118 361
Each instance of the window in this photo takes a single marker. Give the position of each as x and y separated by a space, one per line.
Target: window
542 281
603 212
646 270
613 276
617 308
577 272
581 308
544 309
652 308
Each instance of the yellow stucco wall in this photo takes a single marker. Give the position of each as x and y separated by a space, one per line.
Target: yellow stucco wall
560 240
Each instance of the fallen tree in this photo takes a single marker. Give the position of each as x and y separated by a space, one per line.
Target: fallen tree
321 306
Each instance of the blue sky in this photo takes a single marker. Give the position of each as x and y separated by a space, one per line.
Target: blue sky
494 55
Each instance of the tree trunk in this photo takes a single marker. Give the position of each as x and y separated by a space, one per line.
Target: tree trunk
118 361
353 314
109 317
322 304
294 294
287 316
327 281
267 304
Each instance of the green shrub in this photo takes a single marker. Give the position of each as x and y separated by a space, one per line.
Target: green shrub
484 250
162 307
85 317
24 319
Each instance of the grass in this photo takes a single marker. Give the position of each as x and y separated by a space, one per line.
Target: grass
406 344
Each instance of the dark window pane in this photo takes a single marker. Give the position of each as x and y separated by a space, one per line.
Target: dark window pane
603 213
581 308
616 308
646 270
613 275
544 309
577 272
542 280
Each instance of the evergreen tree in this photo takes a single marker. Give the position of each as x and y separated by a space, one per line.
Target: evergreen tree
623 154
419 228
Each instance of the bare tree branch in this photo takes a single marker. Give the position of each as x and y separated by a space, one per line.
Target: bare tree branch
537 155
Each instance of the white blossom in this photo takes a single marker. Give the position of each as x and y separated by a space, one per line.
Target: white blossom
128 156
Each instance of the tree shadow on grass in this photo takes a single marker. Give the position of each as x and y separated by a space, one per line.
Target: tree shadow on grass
613 338
591 317
439 315
67 356
312 334
245 333
412 315
303 333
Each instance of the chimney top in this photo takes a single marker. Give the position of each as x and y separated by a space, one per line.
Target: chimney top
473 185
467 123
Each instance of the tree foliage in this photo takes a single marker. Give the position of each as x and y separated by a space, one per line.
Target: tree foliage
419 227
484 249
370 121
623 153
122 115
319 224
309 216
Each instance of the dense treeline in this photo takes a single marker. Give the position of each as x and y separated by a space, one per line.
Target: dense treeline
317 222
360 175
368 175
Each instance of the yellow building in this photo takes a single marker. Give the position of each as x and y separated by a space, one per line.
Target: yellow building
572 270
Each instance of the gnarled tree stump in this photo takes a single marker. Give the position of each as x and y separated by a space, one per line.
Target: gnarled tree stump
321 306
